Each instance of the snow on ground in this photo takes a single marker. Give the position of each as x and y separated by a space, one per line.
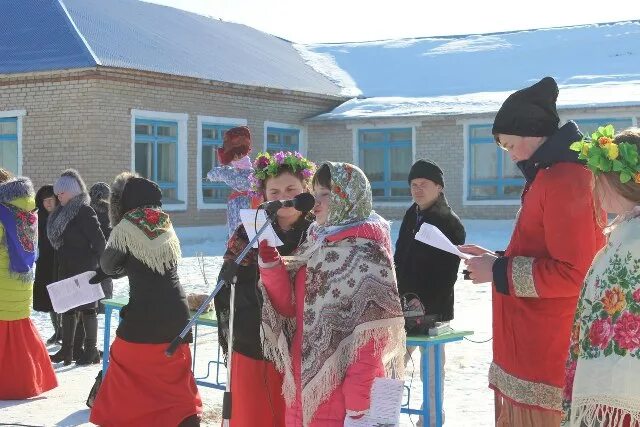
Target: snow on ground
467 401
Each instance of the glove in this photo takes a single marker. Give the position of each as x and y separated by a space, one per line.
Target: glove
99 277
267 253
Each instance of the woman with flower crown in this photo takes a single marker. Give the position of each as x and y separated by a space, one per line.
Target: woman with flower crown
603 368
255 384
331 317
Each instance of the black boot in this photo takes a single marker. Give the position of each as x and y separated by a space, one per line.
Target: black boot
57 328
69 321
78 339
91 354
192 421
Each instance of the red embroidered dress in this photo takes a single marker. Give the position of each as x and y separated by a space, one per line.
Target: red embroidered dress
537 282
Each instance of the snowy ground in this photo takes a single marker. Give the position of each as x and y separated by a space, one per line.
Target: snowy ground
467 401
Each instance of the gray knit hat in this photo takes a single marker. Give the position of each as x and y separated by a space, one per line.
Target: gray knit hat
70 182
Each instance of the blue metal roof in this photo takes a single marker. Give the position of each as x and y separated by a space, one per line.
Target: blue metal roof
36 35
65 34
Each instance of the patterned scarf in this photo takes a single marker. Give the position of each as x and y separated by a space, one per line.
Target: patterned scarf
603 368
351 296
148 235
20 229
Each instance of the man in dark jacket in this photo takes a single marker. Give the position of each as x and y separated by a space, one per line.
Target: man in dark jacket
424 270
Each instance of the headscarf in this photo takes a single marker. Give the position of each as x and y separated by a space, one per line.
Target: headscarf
351 296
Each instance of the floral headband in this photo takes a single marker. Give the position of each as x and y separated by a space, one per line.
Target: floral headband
602 154
266 165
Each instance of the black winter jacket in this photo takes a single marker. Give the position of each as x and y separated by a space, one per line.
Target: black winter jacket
82 246
45 267
157 310
424 270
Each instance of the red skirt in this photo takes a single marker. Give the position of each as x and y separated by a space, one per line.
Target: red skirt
256 388
23 354
143 387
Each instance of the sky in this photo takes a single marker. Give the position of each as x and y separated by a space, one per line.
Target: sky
337 21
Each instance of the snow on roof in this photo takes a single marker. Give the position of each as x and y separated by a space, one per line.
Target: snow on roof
610 94
63 34
469 64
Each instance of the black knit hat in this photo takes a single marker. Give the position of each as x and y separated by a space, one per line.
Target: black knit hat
426 169
140 192
530 111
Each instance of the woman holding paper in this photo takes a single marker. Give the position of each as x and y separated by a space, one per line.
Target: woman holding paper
25 368
339 324
74 232
255 383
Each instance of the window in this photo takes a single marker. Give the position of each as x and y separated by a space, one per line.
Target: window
9 144
212 136
156 155
588 126
279 139
385 156
492 174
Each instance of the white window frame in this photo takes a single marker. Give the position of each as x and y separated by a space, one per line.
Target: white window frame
210 120
302 139
356 128
465 169
182 174
18 114
629 114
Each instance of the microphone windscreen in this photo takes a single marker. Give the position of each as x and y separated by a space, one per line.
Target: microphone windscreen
304 202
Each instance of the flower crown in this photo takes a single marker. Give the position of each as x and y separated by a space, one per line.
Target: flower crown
603 155
266 165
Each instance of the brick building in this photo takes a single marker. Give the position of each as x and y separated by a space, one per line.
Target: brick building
120 85
106 86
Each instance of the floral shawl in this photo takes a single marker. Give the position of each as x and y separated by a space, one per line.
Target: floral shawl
603 368
351 296
20 229
148 235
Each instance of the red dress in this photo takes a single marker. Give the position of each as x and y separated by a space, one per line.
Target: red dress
534 298
144 387
25 367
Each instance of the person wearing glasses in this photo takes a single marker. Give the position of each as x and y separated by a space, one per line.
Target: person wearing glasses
537 280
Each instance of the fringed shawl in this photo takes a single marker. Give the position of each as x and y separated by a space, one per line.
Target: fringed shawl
148 235
351 297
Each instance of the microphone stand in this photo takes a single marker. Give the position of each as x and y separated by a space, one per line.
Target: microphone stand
228 276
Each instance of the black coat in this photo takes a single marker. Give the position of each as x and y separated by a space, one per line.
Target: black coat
45 267
157 310
82 246
424 270
248 298
102 211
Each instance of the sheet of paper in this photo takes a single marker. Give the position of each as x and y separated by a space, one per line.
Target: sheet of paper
432 236
386 399
252 225
74 291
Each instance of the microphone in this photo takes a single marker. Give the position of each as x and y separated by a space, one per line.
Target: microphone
303 202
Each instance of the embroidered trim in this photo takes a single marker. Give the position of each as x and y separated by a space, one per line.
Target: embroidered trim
525 392
522 277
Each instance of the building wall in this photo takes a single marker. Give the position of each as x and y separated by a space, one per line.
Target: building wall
442 140
83 120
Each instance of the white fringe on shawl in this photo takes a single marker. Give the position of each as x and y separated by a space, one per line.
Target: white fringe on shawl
158 254
592 413
389 344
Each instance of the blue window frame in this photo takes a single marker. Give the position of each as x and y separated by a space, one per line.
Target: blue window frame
9 144
212 136
588 126
385 156
492 175
156 155
282 140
